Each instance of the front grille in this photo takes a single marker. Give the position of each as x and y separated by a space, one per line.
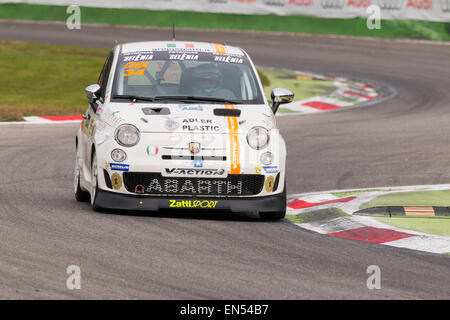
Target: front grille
155 183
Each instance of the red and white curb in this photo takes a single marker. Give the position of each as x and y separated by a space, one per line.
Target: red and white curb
54 119
365 228
46 120
347 93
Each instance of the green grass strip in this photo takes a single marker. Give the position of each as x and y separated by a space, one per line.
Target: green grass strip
269 22
302 88
351 193
435 225
439 198
43 79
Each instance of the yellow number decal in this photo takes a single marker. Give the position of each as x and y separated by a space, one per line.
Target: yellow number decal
135 68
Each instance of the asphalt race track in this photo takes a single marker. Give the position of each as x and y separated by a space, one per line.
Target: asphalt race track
403 140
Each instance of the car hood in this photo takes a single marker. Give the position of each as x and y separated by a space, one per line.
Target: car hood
188 118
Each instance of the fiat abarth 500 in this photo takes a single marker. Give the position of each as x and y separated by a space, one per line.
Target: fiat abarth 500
181 125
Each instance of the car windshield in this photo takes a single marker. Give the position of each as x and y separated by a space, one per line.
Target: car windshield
185 76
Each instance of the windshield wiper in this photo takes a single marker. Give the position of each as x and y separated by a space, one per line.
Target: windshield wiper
133 98
196 98
186 99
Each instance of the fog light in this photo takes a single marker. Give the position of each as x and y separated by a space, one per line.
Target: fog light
266 158
118 155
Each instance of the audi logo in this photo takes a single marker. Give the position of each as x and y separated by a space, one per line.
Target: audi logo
279 3
332 4
391 4
445 5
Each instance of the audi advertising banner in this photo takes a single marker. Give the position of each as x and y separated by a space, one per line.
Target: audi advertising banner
432 10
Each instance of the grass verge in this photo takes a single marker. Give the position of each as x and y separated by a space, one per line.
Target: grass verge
302 87
439 198
138 17
351 193
43 79
435 225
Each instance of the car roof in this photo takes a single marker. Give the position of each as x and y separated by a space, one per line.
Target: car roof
208 47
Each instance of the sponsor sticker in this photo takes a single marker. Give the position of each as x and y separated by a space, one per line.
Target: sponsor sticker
220 48
234 143
194 171
193 204
183 56
171 125
135 68
228 59
198 163
116 181
194 124
119 167
191 108
266 170
138 57
270 181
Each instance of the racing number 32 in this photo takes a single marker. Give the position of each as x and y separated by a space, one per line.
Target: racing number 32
135 68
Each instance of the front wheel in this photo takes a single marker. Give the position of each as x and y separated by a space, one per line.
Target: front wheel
94 183
80 195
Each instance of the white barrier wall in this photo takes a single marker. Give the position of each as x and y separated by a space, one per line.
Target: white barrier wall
432 10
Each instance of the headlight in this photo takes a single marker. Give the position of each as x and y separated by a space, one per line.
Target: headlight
127 135
258 138
266 158
118 155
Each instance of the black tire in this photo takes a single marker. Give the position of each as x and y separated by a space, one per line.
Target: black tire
276 215
94 183
80 195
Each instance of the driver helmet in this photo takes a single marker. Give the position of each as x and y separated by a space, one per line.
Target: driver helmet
207 78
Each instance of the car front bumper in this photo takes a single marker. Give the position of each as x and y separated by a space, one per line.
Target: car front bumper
112 200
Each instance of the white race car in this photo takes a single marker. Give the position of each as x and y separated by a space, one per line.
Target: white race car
181 125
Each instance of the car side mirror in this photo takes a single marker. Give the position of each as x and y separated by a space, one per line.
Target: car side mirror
92 92
280 96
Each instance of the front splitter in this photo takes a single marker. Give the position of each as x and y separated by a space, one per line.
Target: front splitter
111 200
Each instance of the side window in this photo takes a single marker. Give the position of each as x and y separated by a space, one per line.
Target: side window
104 75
